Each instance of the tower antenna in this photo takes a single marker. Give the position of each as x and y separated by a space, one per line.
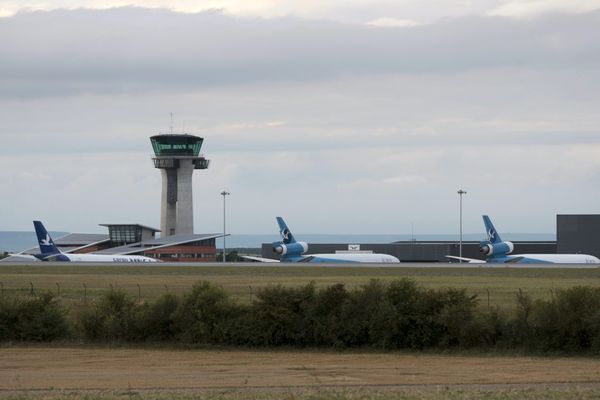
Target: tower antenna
171 126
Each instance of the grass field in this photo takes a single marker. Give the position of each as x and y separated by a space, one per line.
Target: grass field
41 372
234 374
244 280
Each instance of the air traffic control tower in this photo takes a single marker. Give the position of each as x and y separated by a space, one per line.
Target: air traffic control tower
177 156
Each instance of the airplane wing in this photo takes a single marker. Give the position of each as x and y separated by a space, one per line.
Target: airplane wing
469 260
19 257
260 259
52 257
514 260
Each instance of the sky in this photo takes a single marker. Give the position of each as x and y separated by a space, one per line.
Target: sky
341 116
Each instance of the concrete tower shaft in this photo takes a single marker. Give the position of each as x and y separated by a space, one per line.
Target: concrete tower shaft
177 156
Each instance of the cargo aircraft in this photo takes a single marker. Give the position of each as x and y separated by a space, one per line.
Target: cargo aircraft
292 251
497 251
49 251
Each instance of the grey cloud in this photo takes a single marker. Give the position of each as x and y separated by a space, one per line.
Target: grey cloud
131 49
379 126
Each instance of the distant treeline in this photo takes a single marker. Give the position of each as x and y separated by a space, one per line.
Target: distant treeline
396 315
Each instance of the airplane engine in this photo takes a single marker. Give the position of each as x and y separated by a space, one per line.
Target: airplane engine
296 248
501 248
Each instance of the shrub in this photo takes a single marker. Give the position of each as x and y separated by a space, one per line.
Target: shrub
455 318
115 317
205 315
365 316
35 319
282 315
326 315
570 321
486 329
160 319
397 315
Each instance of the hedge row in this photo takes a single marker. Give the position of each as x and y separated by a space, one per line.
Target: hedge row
397 315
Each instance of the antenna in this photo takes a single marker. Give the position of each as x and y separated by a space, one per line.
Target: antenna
171 126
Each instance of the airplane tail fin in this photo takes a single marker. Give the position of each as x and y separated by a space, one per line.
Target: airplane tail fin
47 246
285 232
490 231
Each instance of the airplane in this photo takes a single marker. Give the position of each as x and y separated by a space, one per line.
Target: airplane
49 251
292 251
497 251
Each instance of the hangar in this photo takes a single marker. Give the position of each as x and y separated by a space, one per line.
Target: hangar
575 233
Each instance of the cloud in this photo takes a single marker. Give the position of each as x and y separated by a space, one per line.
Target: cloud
340 127
405 179
151 50
350 11
530 8
388 22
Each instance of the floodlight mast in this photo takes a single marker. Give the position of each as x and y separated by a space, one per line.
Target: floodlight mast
224 194
460 194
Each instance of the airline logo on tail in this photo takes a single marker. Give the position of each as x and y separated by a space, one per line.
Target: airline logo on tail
285 232
491 232
47 241
491 235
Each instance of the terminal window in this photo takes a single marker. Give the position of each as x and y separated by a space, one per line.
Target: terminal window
125 234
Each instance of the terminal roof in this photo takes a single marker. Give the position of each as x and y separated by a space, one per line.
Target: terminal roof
158 243
73 241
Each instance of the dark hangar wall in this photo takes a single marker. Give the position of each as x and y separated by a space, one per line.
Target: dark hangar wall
578 233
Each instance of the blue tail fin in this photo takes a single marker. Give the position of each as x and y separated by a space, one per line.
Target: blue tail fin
490 231
285 232
47 246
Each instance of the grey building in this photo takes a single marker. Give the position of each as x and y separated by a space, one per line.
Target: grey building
578 233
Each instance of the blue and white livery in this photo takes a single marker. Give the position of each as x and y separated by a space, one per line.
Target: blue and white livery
49 251
291 250
497 251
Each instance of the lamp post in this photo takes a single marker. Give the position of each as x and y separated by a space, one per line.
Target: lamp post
224 193
460 194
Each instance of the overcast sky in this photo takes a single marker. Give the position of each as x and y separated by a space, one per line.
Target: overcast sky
342 116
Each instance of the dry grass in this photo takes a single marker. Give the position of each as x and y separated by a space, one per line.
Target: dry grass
39 368
319 394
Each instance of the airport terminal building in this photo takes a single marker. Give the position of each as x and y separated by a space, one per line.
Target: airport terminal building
136 239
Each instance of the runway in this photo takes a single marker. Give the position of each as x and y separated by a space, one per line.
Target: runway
452 265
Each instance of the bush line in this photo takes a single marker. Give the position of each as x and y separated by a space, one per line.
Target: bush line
395 315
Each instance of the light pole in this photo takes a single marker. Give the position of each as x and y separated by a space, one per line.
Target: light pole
460 194
224 193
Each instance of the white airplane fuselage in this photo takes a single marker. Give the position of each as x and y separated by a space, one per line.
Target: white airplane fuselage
546 258
348 258
116 258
